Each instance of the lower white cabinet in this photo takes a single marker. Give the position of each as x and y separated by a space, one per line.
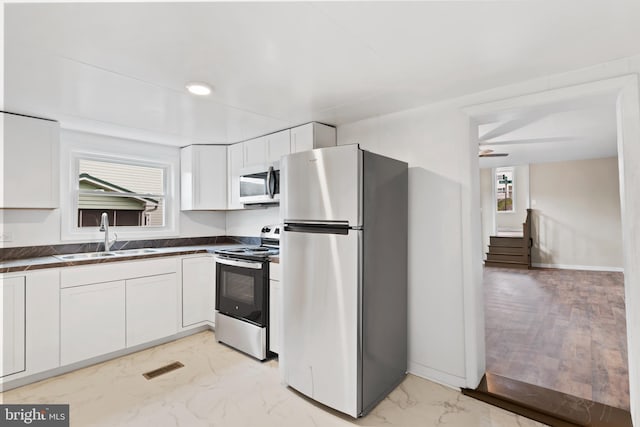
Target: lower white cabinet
275 307
30 328
198 290
92 321
152 308
12 293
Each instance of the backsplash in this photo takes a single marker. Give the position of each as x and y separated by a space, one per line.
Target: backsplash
48 250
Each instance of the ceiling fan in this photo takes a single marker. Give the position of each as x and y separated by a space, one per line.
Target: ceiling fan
487 152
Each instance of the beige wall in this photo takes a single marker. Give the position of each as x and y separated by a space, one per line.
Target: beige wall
487 207
576 219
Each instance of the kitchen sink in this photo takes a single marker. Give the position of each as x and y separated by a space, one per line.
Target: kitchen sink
132 252
99 255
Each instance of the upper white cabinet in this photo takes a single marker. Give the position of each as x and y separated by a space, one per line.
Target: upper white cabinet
235 163
278 144
29 171
312 135
255 151
198 290
203 177
12 341
267 149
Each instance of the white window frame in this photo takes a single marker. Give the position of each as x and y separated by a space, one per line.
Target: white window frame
76 146
513 192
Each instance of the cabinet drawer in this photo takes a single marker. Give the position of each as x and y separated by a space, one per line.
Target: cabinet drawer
275 271
99 273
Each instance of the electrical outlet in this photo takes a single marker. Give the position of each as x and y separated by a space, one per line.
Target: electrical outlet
6 236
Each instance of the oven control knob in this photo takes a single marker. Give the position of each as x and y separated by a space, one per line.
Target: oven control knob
236 307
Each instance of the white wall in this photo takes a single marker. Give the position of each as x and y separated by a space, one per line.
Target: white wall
249 222
576 220
435 143
31 227
446 314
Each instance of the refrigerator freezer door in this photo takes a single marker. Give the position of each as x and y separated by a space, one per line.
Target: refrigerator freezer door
321 342
323 185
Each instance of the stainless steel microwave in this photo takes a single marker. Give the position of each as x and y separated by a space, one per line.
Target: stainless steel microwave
262 186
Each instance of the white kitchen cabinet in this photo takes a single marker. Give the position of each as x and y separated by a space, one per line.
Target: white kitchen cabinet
29 171
278 144
235 163
43 320
203 177
312 135
30 323
255 152
13 325
152 308
92 320
198 290
275 307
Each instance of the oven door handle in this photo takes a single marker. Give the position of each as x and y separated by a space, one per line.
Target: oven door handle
236 263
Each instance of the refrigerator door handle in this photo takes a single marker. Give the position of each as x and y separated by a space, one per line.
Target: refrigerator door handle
318 228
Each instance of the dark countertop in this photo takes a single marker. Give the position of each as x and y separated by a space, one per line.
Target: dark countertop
28 264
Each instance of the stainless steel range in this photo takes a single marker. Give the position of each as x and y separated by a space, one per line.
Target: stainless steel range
242 294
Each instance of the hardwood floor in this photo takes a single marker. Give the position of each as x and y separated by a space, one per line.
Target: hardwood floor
560 329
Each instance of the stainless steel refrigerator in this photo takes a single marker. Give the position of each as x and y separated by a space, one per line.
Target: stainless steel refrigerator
344 264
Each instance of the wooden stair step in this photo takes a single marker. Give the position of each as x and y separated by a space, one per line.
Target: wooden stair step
507 264
496 249
546 406
507 241
522 257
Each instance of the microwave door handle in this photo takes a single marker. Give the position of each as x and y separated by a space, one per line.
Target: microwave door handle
271 187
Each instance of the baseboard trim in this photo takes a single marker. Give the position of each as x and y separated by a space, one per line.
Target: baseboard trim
578 267
452 381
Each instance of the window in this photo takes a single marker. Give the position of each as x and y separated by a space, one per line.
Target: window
504 190
131 195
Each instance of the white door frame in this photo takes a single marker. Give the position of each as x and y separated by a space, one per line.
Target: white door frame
625 88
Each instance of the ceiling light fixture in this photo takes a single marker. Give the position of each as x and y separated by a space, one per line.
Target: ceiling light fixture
199 88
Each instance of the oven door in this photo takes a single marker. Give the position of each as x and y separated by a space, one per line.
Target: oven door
241 289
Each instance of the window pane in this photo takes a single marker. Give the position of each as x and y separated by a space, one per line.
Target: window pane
111 182
134 178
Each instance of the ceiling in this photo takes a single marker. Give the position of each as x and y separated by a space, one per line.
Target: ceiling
576 129
122 67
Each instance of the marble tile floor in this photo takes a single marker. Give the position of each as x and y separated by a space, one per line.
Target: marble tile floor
219 386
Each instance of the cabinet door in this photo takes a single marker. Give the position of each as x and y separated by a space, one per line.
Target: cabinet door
255 152
235 163
302 138
152 308
312 135
92 321
278 145
198 290
32 142
12 293
43 320
275 316
203 177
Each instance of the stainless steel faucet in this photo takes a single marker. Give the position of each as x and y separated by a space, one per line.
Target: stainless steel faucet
104 226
